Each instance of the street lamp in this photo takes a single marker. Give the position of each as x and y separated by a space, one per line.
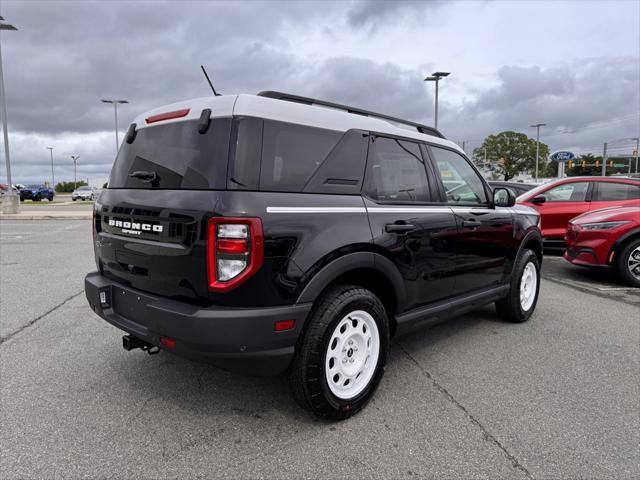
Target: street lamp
75 162
115 112
435 77
10 203
537 127
53 178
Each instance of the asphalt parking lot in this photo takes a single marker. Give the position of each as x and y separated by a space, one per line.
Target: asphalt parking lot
557 397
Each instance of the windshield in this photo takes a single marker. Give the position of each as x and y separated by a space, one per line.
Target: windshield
533 192
84 188
174 156
34 186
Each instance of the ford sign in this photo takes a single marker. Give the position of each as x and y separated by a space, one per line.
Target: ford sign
562 156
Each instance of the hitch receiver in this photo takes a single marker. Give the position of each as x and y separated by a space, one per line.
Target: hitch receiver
130 342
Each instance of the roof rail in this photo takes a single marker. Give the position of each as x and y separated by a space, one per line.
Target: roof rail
358 111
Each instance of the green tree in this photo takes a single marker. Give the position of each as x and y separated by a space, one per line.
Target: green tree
511 153
68 187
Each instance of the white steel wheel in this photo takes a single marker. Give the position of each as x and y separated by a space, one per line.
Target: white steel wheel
528 286
352 355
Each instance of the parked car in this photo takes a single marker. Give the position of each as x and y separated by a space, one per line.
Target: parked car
84 193
517 187
561 200
607 238
269 234
36 193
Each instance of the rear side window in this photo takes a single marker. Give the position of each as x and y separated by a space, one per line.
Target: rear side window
174 156
610 191
343 170
396 172
292 153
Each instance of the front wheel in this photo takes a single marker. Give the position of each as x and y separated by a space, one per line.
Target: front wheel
520 302
627 263
341 354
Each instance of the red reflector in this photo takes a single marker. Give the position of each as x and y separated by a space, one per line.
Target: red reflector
168 342
232 246
282 325
167 116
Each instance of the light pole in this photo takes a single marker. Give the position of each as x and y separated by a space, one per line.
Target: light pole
115 112
636 155
53 178
10 203
75 162
435 77
537 127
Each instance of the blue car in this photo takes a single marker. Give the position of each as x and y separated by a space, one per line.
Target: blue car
36 193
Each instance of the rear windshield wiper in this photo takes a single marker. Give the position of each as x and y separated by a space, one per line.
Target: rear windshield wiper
145 176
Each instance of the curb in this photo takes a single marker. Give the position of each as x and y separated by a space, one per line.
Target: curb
44 216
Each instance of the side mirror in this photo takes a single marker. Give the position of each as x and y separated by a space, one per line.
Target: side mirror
503 197
540 199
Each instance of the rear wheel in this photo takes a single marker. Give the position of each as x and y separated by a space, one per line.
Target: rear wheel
520 303
627 263
341 354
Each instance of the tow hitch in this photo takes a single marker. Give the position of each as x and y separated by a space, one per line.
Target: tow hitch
129 342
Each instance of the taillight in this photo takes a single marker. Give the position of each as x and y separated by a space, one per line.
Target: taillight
235 249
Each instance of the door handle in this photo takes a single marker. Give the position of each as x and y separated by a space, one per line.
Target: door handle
399 227
473 223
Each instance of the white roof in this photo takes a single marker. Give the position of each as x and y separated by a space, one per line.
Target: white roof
286 111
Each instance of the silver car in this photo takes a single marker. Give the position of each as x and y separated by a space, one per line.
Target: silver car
84 193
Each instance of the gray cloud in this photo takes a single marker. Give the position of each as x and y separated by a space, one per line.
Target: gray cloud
68 55
373 13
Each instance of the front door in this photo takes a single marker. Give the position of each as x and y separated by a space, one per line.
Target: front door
484 236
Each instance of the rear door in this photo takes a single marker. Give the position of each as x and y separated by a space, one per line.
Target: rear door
150 222
484 239
408 227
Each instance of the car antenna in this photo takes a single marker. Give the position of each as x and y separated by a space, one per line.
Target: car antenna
208 80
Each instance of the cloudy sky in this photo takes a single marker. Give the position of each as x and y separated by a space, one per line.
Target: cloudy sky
573 65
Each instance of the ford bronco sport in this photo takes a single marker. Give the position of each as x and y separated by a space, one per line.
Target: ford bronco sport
277 233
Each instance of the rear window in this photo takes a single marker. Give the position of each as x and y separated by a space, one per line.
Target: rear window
174 156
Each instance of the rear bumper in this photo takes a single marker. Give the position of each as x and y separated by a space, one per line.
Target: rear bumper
236 339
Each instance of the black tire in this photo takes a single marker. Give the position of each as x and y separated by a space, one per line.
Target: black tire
51 198
510 308
622 261
74 199
307 378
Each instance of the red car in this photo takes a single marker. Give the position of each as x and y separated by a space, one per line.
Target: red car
561 200
608 237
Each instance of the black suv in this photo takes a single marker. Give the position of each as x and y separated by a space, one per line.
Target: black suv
277 233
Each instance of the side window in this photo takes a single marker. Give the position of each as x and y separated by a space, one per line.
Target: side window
610 191
396 172
244 163
462 184
292 153
568 192
343 170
